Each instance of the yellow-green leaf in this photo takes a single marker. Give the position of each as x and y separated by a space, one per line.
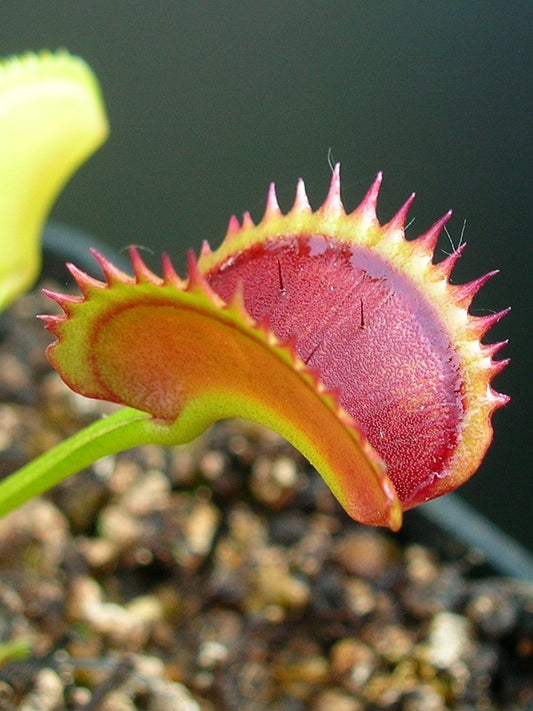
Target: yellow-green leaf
51 119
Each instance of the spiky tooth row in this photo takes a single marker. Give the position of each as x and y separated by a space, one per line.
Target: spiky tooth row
416 256
413 259
332 215
196 282
32 66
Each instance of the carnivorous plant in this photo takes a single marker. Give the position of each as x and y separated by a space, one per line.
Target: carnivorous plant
328 327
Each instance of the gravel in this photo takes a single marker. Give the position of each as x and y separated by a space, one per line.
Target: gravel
223 576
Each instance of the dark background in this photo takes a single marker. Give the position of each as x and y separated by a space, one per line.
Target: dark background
210 101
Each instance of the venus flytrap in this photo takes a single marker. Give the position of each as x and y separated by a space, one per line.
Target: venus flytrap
51 119
328 327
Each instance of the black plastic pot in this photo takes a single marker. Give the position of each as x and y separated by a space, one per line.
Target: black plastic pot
63 244
456 529
450 524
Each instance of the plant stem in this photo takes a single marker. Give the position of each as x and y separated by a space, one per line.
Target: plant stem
123 429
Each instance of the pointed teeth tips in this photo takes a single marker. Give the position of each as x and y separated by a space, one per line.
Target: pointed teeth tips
481 324
192 264
247 221
61 300
498 365
301 201
272 206
141 271
205 249
170 275
428 240
111 273
84 281
196 278
50 319
237 301
233 225
445 267
464 293
491 349
368 205
500 399
398 221
333 204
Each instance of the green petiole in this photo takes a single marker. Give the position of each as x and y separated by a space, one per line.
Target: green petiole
123 429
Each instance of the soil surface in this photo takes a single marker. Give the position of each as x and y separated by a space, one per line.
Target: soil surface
223 576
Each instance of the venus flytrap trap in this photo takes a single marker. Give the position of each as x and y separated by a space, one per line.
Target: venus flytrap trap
51 119
327 327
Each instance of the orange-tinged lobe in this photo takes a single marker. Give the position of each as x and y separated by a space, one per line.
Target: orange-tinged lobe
329 328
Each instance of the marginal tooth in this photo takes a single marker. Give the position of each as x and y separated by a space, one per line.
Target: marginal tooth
335 394
345 418
141 271
205 249
51 319
272 207
333 206
264 325
291 342
498 399
237 301
301 201
445 267
247 221
112 274
367 210
479 325
491 349
52 323
464 293
497 366
85 282
195 277
398 221
170 275
233 227
427 241
319 385
62 300
197 281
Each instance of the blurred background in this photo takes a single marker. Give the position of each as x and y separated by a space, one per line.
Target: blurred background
210 101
